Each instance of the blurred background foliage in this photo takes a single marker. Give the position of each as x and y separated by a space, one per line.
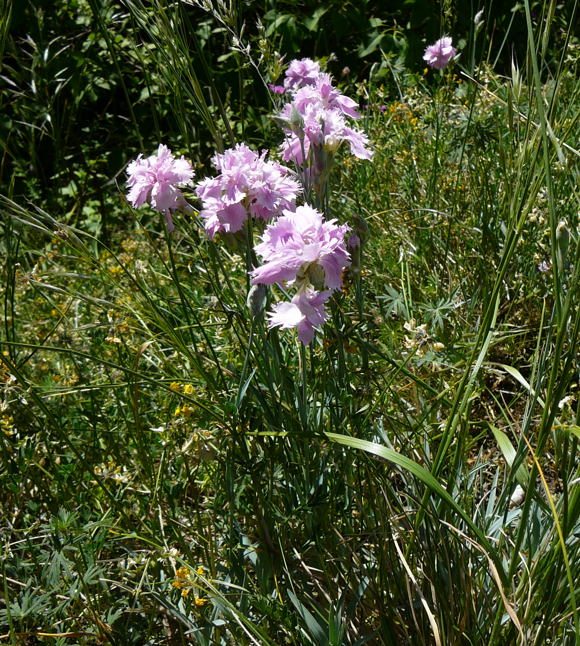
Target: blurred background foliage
81 91
134 444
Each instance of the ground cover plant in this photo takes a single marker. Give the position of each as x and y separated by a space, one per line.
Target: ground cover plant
289 347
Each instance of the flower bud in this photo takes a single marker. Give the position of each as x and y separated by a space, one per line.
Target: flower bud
562 240
296 121
361 228
478 21
256 299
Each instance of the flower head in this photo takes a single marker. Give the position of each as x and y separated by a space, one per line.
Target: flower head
156 178
305 312
323 129
302 246
544 267
323 94
276 89
301 72
439 53
317 118
248 185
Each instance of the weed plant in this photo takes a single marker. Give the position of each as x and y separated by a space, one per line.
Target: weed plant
174 472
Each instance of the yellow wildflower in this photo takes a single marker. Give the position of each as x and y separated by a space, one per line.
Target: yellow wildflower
182 578
7 424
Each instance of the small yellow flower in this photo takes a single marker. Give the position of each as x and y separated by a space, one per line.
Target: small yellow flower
184 411
201 570
200 602
7 424
175 385
182 573
188 389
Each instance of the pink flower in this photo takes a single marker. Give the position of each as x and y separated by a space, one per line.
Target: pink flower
301 72
302 246
247 185
353 242
320 128
317 117
323 94
305 312
544 267
439 53
155 179
276 89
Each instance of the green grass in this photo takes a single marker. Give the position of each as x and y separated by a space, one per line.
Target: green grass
410 478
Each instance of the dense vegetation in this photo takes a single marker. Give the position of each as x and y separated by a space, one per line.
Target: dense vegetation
176 472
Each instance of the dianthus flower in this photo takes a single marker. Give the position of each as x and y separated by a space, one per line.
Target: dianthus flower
316 117
155 179
439 53
276 89
301 72
322 129
301 246
248 185
305 312
323 94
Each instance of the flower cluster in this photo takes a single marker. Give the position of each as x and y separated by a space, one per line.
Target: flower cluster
439 54
155 180
185 580
247 185
307 251
300 249
316 117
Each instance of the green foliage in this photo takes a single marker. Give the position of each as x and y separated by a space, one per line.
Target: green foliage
173 472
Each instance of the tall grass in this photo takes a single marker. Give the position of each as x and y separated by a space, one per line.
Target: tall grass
173 472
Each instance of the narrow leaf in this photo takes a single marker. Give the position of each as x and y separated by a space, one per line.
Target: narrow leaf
427 478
